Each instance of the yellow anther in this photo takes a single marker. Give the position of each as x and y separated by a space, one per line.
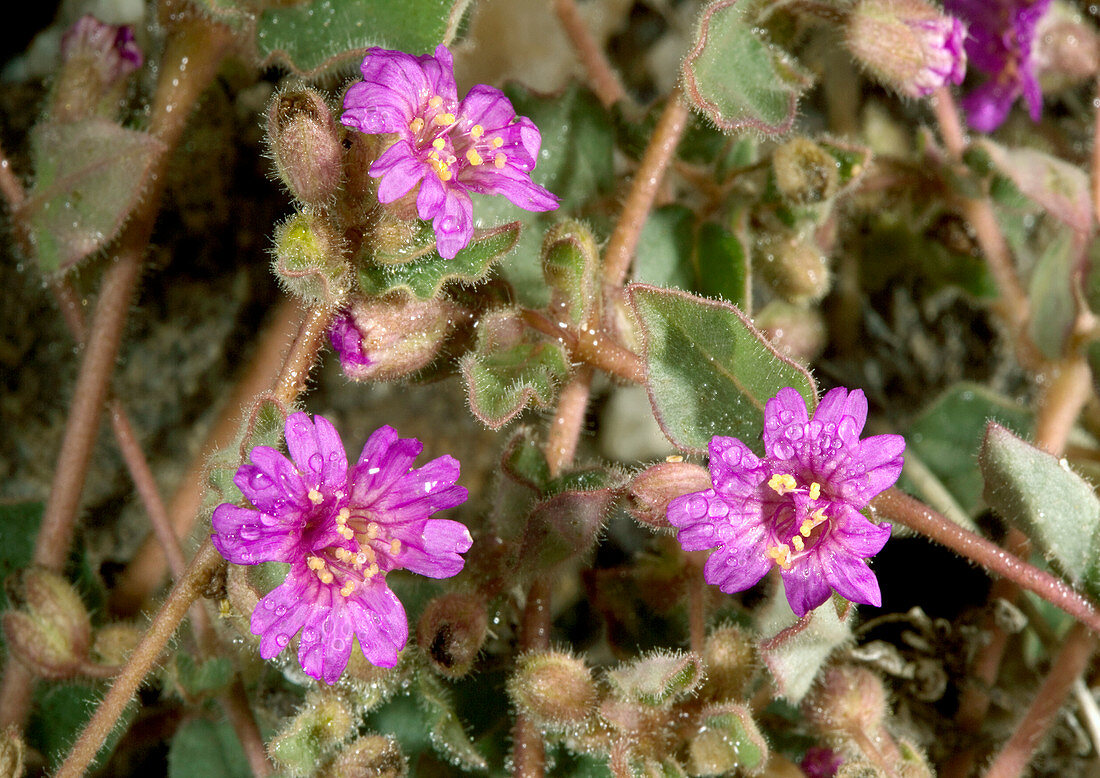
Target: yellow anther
343 516
783 483
373 569
315 563
499 160
477 131
796 541
674 458
438 144
417 124
348 588
781 554
346 532
373 530
395 546
474 158
436 101
343 554
325 576
316 497
815 490
806 528
497 142
444 119
818 516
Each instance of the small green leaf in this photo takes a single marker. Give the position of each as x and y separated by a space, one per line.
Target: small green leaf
798 648
709 372
947 434
664 248
1053 307
737 79
1051 504
88 176
657 678
319 36
447 734
722 264
510 368
205 749
426 274
523 459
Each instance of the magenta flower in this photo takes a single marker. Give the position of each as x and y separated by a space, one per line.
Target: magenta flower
799 507
1002 34
449 148
340 531
108 48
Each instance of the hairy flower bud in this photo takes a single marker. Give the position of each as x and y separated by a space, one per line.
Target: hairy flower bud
909 45
305 144
378 756
11 752
323 723
848 699
657 678
553 689
96 59
796 331
805 173
728 739
309 260
570 257
451 631
794 266
655 487
386 338
729 656
51 632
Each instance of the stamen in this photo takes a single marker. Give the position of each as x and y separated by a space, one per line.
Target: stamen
436 101
348 588
438 144
315 497
474 157
781 555
373 530
497 142
783 483
499 160
416 125
444 119
343 516
395 546
815 490
315 563
325 576
477 131
796 541
346 532
342 554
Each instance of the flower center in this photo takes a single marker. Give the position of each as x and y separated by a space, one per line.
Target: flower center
352 567
448 150
808 529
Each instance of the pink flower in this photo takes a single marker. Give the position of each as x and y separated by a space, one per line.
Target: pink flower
448 148
340 531
799 507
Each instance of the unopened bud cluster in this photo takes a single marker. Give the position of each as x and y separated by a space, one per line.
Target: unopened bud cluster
304 142
51 633
96 61
451 630
322 725
309 259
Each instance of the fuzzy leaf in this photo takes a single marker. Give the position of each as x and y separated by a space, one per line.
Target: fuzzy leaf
947 434
319 36
664 248
426 273
709 372
447 735
728 740
510 368
658 678
564 527
722 264
205 749
798 647
738 80
88 176
1053 307
196 677
1051 504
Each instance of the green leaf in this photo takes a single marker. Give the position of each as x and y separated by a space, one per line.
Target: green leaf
1051 504
657 678
59 714
447 734
663 257
196 677
313 37
738 80
722 264
1053 307
798 648
88 176
205 749
425 275
709 372
947 434
510 368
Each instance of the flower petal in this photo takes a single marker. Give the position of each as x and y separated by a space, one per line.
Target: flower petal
385 459
422 491
852 578
507 181
433 547
805 584
454 223
735 470
854 534
316 447
283 611
242 537
782 414
882 460
380 623
736 567
272 483
431 198
484 105
399 169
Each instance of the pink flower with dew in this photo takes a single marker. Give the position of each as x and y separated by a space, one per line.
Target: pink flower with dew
448 148
341 530
798 508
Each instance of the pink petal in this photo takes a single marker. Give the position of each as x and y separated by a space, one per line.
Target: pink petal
325 645
423 491
881 456
454 224
782 414
735 470
511 183
805 584
385 458
853 579
399 169
272 484
736 567
487 106
242 537
851 531
380 623
433 547
283 611
316 447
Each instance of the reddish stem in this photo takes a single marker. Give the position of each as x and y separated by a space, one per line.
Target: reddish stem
605 81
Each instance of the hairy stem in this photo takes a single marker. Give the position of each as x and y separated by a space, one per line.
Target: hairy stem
903 509
528 748
565 431
593 347
605 81
1014 756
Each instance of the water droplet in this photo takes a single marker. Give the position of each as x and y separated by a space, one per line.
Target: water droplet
309 635
337 644
697 507
786 417
282 640
719 509
326 625
316 463
783 449
259 480
280 611
795 432
269 605
732 456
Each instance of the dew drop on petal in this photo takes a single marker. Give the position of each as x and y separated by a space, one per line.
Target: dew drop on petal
269 605
282 640
316 463
795 432
719 509
280 611
786 417
697 507
309 635
783 449
337 645
259 480
326 625
732 455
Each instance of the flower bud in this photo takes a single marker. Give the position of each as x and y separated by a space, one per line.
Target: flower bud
805 173
52 632
309 260
11 752
729 656
555 690
385 338
794 266
797 332
848 699
114 643
908 45
655 487
304 142
657 678
96 60
451 630
374 755
820 762
323 723
728 739
570 257
1066 48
